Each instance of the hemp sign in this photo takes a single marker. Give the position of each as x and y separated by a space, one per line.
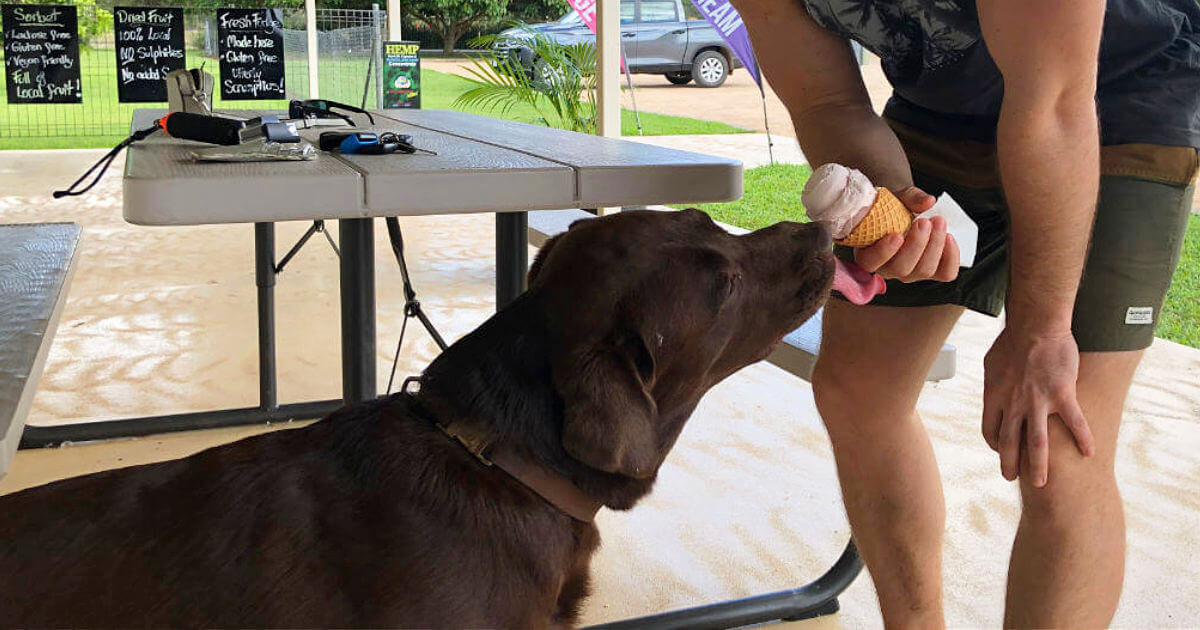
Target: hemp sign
401 75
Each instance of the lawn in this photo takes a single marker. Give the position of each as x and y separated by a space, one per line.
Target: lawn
772 194
100 121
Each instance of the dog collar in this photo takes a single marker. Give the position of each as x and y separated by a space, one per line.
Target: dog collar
551 486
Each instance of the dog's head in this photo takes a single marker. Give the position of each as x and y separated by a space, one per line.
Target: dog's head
648 310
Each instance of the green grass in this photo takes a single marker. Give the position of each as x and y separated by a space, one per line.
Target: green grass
772 194
1180 320
100 121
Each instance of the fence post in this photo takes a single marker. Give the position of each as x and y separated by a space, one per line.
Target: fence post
310 29
377 52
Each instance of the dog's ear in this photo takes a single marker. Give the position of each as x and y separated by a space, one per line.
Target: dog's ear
540 259
610 420
544 252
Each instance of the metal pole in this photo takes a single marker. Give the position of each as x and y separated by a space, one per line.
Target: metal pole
377 54
310 29
811 600
637 116
512 256
762 91
39 437
264 278
357 238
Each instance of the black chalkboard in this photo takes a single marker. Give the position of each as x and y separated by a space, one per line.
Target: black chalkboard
149 45
251 45
41 54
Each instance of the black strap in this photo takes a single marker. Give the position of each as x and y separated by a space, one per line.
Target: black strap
104 163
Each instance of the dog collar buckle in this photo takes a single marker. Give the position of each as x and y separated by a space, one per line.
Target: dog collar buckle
475 443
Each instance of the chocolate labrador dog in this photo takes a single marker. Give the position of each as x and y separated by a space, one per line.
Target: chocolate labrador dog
467 503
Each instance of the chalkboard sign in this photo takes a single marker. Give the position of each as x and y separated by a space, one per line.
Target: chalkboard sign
149 45
251 45
401 75
41 54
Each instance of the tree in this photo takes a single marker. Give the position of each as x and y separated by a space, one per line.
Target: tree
452 18
531 11
560 87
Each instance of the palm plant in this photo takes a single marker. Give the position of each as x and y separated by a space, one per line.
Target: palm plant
560 86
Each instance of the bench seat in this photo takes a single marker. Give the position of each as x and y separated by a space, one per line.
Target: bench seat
36 262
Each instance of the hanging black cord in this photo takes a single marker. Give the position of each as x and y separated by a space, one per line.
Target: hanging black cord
412 307
104 163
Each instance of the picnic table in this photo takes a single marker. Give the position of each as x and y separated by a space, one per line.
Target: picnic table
482 165
36 264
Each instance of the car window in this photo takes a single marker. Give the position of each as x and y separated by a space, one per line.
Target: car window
627 11
659 11
690 12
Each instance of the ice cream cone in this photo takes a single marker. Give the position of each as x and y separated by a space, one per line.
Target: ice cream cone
887 215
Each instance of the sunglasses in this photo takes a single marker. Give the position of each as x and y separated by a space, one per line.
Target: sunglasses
321 108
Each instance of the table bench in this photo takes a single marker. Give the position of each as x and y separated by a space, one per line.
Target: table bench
36 264
797 354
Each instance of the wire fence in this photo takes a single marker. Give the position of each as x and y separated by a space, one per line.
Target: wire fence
347 41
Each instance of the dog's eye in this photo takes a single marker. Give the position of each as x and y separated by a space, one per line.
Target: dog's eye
732 281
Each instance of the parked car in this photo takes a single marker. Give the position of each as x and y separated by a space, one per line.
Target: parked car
657 37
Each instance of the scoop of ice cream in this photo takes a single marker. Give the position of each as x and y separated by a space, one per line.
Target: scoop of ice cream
838 196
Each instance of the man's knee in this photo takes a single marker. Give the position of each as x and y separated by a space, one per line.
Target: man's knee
1078 488
849 397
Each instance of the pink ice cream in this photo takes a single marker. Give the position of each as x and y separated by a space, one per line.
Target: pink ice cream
839 197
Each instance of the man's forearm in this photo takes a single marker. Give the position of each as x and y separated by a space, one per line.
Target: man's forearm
1049 163
853 135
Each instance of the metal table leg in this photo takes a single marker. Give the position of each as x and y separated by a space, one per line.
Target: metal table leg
811 600
357 237
264 279
268 409
512 256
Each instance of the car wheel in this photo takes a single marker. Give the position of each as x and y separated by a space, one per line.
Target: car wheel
679 78
710 69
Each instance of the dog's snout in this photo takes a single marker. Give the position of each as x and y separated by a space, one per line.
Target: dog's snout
822 239
813 234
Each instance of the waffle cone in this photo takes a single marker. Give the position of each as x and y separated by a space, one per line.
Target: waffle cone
886 216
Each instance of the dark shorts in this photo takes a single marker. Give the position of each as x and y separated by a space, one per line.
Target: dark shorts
1144 202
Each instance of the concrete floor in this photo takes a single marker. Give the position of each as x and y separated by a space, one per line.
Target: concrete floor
161 320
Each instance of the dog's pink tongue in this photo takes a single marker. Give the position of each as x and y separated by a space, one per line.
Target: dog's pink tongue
855 283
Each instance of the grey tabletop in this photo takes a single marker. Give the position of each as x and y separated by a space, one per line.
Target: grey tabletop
36 263
482 165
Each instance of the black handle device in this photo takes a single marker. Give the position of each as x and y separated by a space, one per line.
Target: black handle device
202 128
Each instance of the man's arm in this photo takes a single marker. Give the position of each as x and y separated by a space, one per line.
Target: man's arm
814 73
816 76
1048 147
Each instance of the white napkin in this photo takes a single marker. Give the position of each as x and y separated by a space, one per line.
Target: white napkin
958 225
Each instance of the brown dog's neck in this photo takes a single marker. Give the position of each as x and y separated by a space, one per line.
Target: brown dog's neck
498 380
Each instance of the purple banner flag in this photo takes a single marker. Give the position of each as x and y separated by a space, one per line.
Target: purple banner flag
728 23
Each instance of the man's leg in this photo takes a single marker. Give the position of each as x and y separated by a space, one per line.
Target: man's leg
1068 560
869 374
